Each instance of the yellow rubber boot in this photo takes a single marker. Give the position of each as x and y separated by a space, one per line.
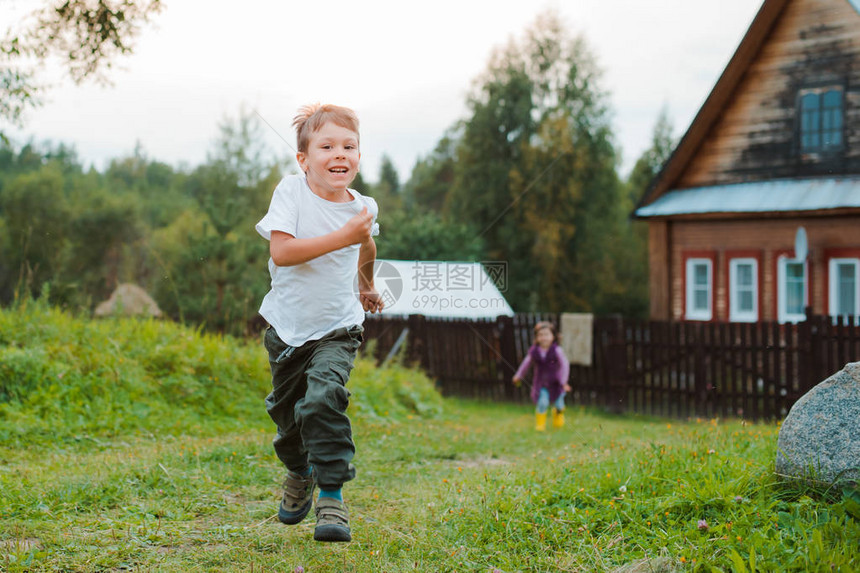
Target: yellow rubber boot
557 418
540 422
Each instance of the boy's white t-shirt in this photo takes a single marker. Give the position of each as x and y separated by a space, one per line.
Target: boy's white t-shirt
309 300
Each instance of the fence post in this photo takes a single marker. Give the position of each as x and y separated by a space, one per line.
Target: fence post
508 350
417 347
616 366
700 406
802 356
809 347
817 345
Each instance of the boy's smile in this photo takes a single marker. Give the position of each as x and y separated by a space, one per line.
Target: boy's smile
331 161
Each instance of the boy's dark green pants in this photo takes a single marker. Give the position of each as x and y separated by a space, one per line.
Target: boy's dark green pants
308 403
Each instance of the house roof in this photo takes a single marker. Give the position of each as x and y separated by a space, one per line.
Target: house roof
781 195
721 93
453 289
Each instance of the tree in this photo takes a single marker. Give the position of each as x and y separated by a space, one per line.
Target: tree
101 225
214 262
36 211
632 250
360 185
388 175
34 214
86 36
159 188
432 177
237 180
535 169
426 236
387 190
241 148
652 159
187 238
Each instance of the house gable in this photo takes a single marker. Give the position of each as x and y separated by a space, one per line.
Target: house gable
747 130
775 148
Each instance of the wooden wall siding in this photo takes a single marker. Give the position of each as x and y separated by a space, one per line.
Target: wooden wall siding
658 268
814 42
769 236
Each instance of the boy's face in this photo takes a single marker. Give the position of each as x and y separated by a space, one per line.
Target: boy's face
331 160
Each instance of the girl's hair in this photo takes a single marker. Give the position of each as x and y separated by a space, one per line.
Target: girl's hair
312 117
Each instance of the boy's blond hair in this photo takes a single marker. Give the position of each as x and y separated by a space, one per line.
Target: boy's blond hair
312 117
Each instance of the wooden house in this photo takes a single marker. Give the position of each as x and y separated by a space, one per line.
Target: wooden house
772 155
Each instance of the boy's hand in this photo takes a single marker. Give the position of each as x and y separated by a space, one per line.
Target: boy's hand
517 381
371 300
567 388
358 228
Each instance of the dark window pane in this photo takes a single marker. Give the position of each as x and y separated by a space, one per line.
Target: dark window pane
833 99
809 101
815 140
701 275
794 271
847 289
744 275
832 139
701 300
810 122
795 288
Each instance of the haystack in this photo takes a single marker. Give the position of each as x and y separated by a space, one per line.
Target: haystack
128 300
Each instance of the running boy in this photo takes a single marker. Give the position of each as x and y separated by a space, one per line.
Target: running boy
320 236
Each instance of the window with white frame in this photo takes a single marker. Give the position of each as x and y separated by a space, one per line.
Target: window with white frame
743 290
699 289
844 294
792 295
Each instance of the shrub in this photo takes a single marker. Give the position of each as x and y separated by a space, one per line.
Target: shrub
63 377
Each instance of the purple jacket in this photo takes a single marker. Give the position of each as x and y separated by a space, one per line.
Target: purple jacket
551 370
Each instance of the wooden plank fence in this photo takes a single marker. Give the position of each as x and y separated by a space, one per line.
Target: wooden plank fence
677 369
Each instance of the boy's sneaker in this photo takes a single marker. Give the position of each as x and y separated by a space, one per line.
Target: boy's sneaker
298 497
332 520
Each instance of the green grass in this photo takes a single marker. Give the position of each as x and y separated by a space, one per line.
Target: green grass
192 484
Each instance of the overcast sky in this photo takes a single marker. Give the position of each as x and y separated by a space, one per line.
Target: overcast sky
406 68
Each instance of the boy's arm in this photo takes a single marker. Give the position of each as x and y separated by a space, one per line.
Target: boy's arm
286 250
370 299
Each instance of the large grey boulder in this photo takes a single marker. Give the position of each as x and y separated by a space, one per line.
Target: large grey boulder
820 438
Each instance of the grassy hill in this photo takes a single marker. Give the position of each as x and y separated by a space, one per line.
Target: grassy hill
63 377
